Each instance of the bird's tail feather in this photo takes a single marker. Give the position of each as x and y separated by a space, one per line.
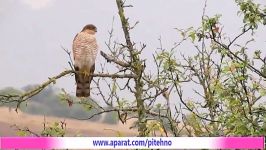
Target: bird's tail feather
83 83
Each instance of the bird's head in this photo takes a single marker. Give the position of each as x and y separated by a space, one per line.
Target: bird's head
90 29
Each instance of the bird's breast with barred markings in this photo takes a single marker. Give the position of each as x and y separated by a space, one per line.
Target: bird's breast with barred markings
85 50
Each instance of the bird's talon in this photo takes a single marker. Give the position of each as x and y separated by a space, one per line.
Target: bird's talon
86 73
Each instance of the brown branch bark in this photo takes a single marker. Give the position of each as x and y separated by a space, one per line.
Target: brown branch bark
137 68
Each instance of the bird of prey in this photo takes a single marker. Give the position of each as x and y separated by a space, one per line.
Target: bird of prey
85 50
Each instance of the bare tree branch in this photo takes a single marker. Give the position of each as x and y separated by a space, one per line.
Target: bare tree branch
115 60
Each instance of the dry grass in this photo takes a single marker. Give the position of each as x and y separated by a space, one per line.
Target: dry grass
74 127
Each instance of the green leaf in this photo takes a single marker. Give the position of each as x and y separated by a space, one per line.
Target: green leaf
114 88
21 133
192 35
262 92
56 124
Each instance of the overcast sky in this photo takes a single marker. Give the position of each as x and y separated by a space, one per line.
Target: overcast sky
33 31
